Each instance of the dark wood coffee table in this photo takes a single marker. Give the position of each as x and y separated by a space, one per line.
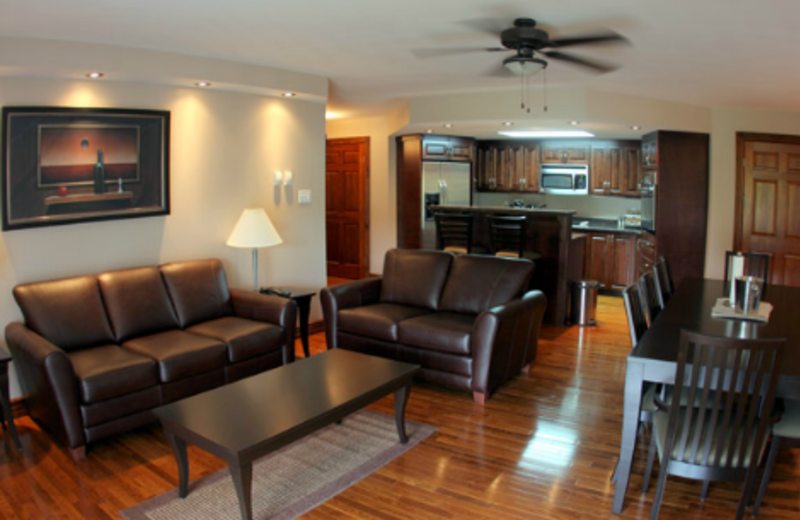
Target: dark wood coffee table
245 420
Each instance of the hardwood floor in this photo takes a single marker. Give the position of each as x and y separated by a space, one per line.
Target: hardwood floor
543 447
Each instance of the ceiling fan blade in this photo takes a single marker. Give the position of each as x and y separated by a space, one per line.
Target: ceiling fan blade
607 37
440 52
595 65
488 26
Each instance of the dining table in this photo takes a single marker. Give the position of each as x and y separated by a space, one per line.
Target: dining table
654 359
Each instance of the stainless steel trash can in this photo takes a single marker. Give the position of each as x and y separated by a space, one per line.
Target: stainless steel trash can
584 302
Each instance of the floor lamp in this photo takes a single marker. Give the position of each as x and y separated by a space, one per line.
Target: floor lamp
254 229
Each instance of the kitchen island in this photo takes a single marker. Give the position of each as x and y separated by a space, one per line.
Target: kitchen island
549 233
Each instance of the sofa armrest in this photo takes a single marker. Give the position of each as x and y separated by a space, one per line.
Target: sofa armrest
346 296
505 340
269 309
48 382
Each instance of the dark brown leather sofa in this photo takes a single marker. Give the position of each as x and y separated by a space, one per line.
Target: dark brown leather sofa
467 319
97 353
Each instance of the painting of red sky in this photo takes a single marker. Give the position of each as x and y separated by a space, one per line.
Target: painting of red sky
68 153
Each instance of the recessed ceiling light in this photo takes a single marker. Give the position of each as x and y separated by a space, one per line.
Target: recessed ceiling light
636 127
448 125
94 75
508 123
203 84
574 123
546 133
289 94
429 131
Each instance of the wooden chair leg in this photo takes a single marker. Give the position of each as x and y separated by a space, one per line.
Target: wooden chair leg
648 471
662 483
79 453
773 454
479 397
704 493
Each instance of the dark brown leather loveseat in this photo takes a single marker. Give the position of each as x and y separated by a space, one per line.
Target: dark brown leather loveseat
469 320
97 353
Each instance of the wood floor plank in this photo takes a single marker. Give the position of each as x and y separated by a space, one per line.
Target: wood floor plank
543 447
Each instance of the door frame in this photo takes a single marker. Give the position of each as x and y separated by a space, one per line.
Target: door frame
742 138
363 269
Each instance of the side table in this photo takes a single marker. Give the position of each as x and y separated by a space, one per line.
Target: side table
6 417
302 297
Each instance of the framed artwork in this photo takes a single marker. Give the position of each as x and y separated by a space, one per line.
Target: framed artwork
69 165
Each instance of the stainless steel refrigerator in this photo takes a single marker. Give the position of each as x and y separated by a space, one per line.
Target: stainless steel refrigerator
443 184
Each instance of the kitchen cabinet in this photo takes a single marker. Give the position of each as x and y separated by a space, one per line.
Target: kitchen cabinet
615 169
645 253
447 148
565 153
507 167
611 259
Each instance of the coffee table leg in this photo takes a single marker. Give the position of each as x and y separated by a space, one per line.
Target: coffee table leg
179 449
9 416
400 401
243 482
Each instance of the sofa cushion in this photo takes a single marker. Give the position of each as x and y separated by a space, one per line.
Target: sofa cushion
478 283
378 321
69 313
448 332
198 290
245 338
414 277
180 354
110 371
137 302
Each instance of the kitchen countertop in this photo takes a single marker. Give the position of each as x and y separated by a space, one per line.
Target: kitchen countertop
506 210
602 224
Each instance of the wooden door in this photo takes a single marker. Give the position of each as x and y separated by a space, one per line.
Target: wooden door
630 171
347 207
530 168
768 214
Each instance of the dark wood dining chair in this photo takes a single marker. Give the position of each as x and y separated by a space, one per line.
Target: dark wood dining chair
650 291
755 264
508 236
786 432
664 278
732 385
454 232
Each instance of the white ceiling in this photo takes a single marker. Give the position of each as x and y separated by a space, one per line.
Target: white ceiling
718 53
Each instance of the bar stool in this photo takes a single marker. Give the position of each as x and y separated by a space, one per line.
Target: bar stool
454 232
508 237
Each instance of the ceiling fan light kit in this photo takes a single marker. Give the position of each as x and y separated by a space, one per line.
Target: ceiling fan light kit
524 66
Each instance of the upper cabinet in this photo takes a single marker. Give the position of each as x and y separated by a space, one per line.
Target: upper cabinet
615 169
506 167
565 153
650 152
447 148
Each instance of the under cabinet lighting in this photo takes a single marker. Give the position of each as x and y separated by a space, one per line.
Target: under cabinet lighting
545 133
429 131
94 75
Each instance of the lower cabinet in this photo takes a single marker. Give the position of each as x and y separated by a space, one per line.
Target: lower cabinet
611 259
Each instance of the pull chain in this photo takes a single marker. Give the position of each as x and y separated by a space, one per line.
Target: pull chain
528 92
522 92
544 78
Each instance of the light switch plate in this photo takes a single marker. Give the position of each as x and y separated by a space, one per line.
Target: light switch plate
304 196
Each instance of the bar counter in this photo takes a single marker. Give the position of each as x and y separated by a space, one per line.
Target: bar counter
549 233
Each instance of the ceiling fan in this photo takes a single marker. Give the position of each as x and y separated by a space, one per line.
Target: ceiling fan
530 43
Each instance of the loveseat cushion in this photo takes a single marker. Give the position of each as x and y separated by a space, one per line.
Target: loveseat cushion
448 332
414 277
137 302
198 290
377 321
478 283
180 354
110 371
244 338
69 313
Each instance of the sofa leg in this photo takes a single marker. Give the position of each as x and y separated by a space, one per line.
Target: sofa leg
479 397
526 369
78 454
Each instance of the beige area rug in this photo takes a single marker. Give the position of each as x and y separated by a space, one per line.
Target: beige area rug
296 478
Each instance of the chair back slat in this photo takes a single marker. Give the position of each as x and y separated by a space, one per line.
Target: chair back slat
634 308
755 264
732 377
651 295
454 230
664 278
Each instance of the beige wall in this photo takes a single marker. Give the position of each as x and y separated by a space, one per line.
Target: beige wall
225 147
382 181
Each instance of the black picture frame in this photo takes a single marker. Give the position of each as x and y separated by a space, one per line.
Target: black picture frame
70 165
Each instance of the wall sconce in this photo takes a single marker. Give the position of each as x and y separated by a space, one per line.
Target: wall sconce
287 178
278 179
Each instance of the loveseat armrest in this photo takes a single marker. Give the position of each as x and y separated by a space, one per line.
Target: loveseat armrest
346 296
268 309
48 382
504 341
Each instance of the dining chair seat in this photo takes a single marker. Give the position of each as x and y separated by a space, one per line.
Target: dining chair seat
785 432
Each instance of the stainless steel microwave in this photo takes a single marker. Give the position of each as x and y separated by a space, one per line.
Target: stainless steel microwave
564 179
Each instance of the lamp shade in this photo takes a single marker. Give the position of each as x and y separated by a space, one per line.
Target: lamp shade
254 229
